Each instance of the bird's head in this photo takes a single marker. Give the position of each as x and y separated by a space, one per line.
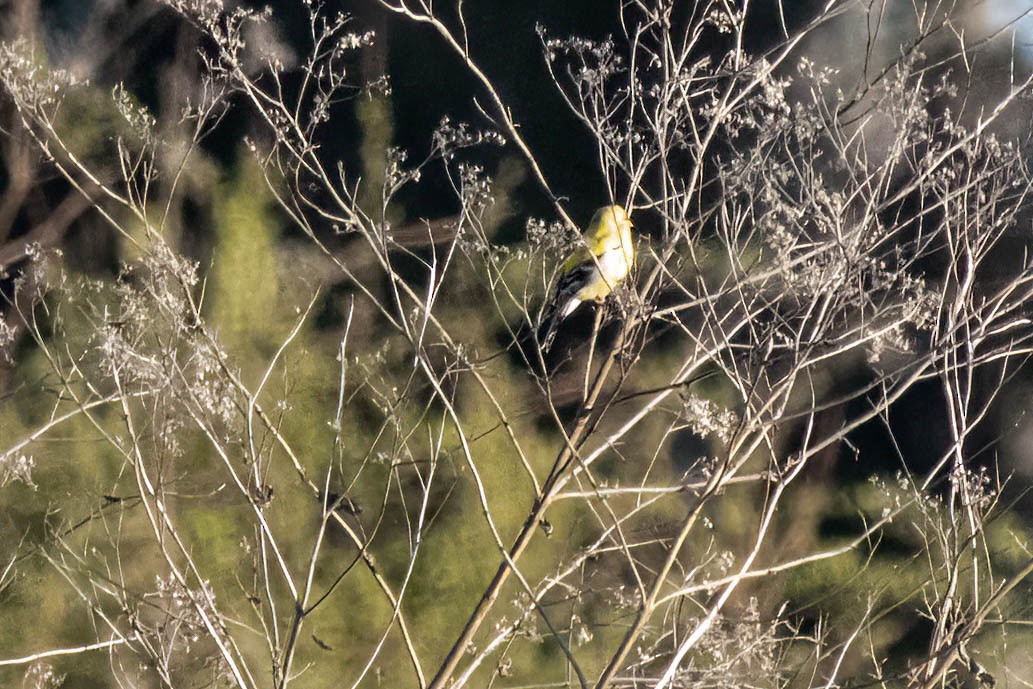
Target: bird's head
615 215
612 221
612 226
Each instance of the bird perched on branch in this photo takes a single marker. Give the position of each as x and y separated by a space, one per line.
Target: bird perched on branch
602 261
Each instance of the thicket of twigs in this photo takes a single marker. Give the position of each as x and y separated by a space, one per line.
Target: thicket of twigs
301 435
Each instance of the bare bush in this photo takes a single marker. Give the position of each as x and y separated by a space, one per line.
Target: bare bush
417 495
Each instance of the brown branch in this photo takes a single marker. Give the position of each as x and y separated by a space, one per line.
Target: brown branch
50 231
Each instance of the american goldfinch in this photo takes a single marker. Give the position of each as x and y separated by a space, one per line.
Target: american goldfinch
604 259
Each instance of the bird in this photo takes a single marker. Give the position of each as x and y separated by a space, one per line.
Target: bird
590 273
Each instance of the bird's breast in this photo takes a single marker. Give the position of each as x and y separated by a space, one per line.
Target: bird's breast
614 264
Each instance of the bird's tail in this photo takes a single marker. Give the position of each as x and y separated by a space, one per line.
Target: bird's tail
554 313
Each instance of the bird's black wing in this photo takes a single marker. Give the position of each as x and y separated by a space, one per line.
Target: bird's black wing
566 287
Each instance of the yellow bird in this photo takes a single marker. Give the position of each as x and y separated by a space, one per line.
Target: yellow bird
603 260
